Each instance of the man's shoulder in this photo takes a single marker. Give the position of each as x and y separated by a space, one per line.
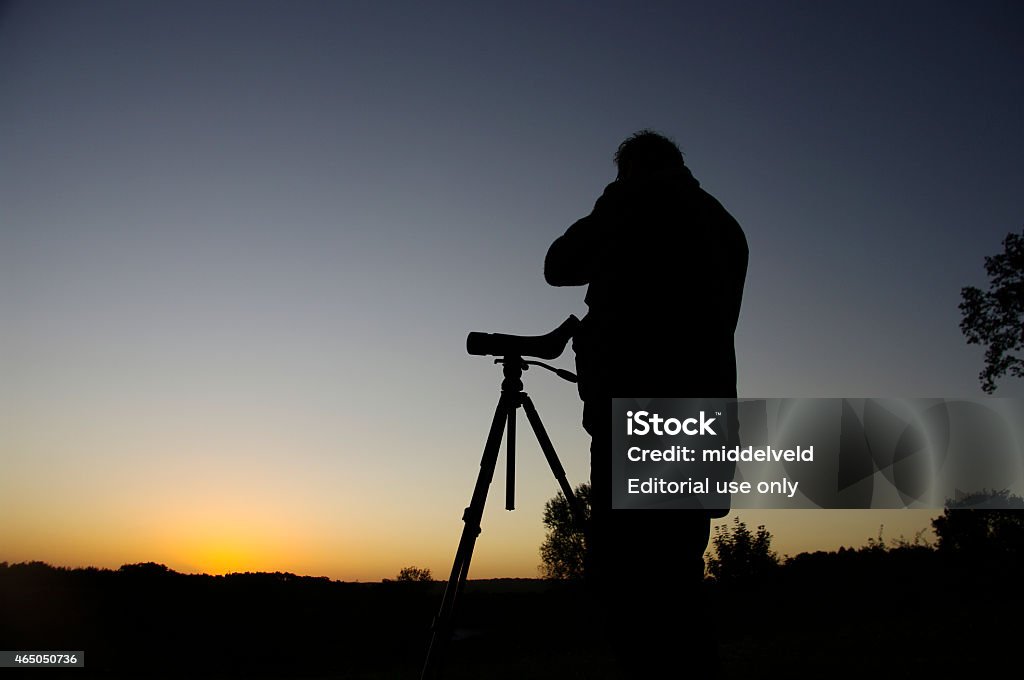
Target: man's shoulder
717 211
711 201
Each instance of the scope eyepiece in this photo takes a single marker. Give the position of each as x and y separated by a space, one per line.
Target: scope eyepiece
547 346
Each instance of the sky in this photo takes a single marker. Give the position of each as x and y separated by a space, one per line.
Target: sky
241 246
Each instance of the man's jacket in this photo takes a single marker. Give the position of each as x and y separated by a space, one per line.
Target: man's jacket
665 264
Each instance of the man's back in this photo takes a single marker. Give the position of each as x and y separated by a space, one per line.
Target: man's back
666 265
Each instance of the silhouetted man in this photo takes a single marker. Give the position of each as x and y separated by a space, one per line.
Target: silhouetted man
665 264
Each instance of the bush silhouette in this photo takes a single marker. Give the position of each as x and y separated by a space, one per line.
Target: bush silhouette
741 554
414 574
563 548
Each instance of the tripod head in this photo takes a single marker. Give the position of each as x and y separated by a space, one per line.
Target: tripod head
548 346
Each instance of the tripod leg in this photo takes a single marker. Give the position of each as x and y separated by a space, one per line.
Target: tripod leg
442 628
553 462
510 462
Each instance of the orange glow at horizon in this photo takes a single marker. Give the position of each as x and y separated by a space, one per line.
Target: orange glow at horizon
243 501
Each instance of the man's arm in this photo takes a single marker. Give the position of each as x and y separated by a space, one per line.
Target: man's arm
575 255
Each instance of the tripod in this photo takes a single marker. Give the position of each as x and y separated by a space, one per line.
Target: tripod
512 397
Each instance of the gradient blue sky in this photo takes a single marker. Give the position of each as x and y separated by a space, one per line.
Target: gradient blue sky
241 245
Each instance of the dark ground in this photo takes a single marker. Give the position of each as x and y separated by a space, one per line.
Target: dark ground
897 613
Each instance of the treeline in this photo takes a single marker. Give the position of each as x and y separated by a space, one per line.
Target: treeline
146 620
149 620
990 545
907 607
904 608
900 610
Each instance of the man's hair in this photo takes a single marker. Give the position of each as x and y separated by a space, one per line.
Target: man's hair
647 151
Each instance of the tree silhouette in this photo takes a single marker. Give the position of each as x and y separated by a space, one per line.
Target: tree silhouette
739 553
995 318
972 526
145 568
563 548
414 574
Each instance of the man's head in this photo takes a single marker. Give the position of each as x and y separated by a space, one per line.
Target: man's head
647 152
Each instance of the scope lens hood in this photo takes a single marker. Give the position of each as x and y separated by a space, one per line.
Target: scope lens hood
548 346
